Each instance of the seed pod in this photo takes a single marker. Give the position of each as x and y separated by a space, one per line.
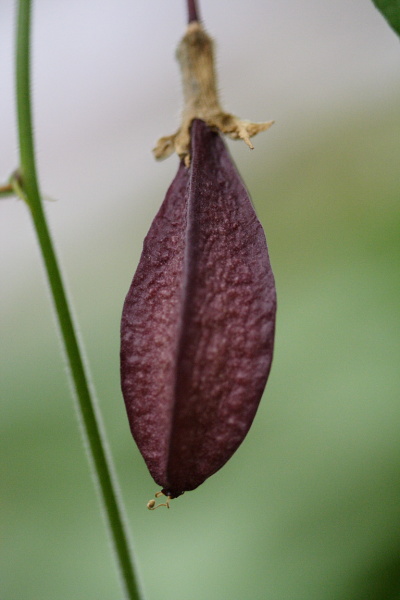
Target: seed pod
198 322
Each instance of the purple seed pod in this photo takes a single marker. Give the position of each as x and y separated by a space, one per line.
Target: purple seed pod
198 322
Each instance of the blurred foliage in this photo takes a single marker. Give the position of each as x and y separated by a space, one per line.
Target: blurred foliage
308 508
391 11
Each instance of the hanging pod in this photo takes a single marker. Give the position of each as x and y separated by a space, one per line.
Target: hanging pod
198 322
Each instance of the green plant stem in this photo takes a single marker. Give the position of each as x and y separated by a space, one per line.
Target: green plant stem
88 412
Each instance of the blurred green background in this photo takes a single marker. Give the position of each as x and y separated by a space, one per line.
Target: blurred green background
309 506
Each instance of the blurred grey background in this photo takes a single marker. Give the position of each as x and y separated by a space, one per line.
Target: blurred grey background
308 508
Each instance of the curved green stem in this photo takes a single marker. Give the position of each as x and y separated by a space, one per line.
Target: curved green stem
87 408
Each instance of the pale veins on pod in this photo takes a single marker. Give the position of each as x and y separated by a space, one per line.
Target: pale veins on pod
196 58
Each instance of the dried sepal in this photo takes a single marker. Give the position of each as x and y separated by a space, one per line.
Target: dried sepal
195 55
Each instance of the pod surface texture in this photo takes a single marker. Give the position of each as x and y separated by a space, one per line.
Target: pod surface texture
198 322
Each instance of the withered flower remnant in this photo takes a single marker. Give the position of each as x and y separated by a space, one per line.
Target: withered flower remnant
195 55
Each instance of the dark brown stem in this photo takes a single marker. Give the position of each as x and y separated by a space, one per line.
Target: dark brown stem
193 14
